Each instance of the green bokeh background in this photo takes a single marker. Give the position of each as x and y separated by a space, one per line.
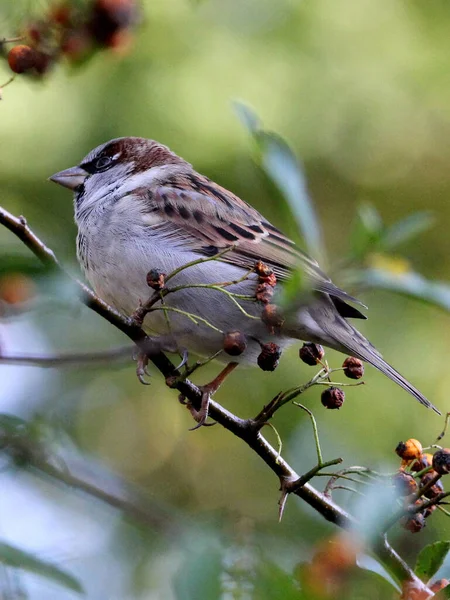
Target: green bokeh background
361 91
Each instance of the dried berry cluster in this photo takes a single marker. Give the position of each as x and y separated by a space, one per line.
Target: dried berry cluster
73 31
235 342
418 480
333 397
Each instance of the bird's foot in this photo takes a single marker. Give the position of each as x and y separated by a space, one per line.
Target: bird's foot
141 367
200 415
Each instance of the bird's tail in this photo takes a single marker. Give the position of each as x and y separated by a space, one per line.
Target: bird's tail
340 335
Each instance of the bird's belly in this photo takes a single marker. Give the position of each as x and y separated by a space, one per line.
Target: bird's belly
197 318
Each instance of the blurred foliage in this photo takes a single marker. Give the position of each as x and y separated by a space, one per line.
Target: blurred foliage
360 91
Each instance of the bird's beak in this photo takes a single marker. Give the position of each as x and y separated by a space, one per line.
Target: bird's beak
70 178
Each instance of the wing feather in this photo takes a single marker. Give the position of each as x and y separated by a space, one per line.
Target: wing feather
206 218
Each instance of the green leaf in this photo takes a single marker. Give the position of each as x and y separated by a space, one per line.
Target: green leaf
283 168
366 232
272 582
407 229
293 291
14 557
247 117
409 284
431 559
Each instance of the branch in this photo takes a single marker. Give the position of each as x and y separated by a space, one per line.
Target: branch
87 359
31 454
247 430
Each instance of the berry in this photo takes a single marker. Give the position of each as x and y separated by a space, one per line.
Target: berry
332 397
272 317
405 484
264 293
409 450
234 343
414 524
311 353
441 461
424 461
435 489
22 58
262 269
156 279
270 356
353 368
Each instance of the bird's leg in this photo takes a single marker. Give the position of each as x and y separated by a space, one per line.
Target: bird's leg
207 391
141 366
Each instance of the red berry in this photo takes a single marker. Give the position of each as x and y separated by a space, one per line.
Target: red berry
22 58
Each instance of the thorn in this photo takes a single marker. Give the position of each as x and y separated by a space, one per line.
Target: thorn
281 504
184 359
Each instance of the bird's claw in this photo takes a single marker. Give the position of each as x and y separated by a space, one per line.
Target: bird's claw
184 359
198 415
141 368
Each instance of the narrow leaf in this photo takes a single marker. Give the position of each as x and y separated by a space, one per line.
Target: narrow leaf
366 232
247 117
431 559
284 169
407 229
409 284
14 557
282 166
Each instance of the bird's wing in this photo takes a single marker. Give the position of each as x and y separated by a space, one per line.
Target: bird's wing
200 215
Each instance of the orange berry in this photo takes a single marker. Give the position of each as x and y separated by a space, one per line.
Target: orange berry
409 450
16 288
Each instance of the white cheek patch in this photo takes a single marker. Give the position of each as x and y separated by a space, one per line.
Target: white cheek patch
102 189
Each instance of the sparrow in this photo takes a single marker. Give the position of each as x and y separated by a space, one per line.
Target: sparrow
141 207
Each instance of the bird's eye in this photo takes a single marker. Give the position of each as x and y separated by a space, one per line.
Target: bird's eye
102 163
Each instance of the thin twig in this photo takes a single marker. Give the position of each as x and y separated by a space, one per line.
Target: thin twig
86 359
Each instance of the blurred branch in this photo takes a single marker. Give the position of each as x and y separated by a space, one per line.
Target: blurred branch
30 453
247 430
87 359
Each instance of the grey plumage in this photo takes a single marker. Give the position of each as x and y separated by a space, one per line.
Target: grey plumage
139 206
